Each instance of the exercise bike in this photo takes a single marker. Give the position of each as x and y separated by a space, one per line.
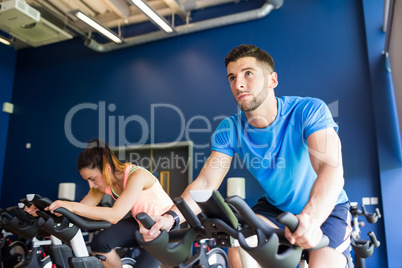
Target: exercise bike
207 253
68 229
12 247
225 221
363 248
31 248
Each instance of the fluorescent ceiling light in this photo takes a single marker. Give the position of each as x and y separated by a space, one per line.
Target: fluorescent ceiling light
97 27
5 41
160 21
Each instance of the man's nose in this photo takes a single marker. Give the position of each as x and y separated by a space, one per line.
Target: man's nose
239 83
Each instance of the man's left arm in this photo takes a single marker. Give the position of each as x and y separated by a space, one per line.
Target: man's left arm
326 158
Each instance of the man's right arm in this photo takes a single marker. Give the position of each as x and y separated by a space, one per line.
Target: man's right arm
210 178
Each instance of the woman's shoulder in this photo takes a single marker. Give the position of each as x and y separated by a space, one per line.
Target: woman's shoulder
139 172
133 168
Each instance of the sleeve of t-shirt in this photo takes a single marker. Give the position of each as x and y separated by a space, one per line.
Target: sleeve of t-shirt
317 116
223 138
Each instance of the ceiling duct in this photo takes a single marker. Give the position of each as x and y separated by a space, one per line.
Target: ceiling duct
245 16
26 24
41 22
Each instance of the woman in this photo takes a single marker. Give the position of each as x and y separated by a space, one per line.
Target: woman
133 188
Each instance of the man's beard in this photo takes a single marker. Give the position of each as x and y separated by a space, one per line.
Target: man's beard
256 101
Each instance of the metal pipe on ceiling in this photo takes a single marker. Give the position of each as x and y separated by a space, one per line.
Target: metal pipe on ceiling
259 13
200 4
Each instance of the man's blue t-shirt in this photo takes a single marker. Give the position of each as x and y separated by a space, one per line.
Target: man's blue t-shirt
278 156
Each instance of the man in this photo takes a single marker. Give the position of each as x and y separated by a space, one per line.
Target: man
291 147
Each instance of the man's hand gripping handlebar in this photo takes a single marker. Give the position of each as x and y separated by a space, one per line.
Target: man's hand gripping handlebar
219 221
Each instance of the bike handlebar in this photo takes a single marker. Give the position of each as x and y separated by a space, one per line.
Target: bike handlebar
219 222
145 219
15 220
81 222
64 231
289 220
364 248
370 217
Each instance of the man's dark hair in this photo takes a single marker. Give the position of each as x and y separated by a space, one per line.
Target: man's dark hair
250 51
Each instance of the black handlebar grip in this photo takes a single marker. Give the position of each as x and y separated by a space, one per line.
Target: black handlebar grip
371 217
324 242
146 220
25 202
81 222
289 220
292 222
377 212
188 214
39 201
373 239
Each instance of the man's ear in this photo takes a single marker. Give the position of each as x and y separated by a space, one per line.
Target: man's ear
273 79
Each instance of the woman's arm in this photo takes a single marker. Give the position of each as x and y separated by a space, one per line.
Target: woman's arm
210 178
92 198
138 180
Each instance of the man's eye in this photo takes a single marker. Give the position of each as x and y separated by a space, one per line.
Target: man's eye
248 73
231 78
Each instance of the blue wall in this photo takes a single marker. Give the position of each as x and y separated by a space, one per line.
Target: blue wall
320 49
8 58
387 129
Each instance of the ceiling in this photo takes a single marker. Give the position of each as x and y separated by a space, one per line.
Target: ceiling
125 19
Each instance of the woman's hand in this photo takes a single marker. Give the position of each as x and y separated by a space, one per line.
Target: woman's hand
31 210
161 223
57 204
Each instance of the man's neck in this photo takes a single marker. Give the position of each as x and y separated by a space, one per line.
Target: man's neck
264 115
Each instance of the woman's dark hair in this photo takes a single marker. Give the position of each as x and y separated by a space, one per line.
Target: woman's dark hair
98 155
